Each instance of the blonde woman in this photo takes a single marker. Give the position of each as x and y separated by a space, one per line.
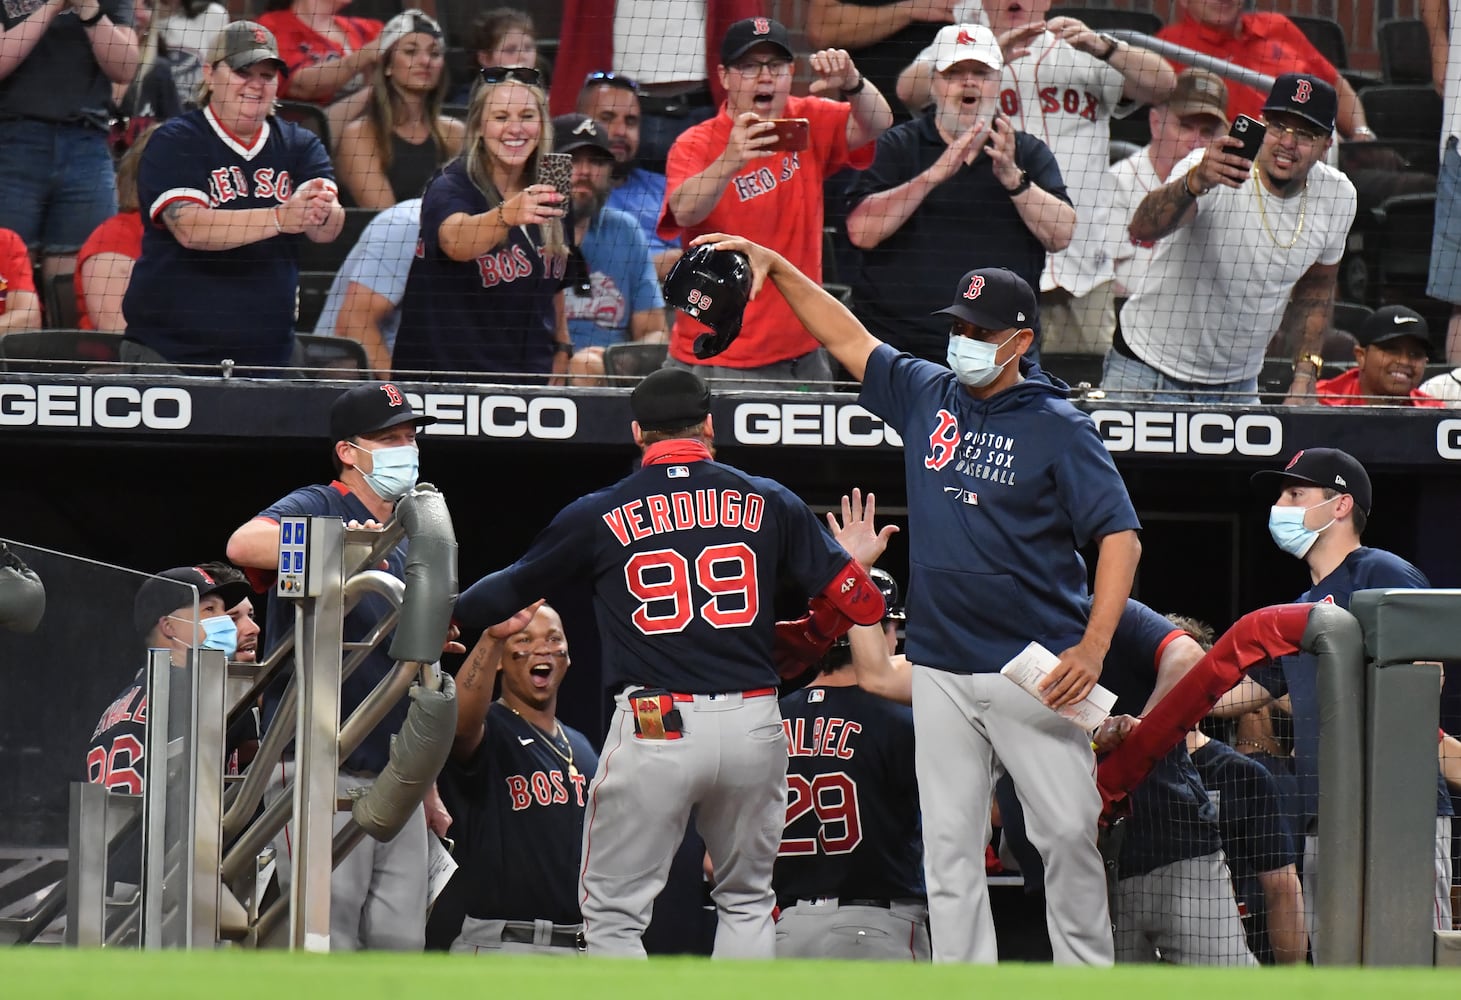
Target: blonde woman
486 289
388 154
104 263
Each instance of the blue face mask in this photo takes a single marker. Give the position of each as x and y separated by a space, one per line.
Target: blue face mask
972 360
1286 525
219 632
393 470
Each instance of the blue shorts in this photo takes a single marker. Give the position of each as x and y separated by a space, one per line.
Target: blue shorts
57 184
1445 277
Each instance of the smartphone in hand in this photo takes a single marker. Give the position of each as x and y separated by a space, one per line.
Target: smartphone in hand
557 169
1250 131
792 134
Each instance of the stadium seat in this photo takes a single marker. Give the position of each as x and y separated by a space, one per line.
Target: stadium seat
1326 35
634 360
1135 128
330 357
308 116
1406 111
1074 369
1405 52
60 302
1401 256
1350 316
329 256
457 111
314 289
70 351
1121 149
1100 19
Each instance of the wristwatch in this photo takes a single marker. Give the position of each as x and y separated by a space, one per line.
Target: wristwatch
1112 42
1314 359
93 20
1022 186
562 347
857 88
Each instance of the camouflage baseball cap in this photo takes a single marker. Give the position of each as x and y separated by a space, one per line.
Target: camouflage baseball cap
244 43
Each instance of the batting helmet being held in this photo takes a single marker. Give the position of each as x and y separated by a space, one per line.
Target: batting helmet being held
712 286
889 588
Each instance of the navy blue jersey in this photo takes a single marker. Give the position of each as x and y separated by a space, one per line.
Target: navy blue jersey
1256 831
1297 675
1172 817
972 211
337 500
1003 492
114 757
201 306
852 819
683 557
517 818
491 314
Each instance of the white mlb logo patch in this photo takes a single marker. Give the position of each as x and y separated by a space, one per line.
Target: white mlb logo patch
678 472
815 696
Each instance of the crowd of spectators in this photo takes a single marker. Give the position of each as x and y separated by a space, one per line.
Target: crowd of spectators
941 137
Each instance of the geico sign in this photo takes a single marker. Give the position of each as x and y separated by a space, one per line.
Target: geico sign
811 424
1256 434
114 407
544 418
1448 439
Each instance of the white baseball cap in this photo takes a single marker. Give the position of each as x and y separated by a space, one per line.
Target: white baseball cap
958 43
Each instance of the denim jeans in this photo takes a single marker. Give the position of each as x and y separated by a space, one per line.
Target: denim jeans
1130 379
57 184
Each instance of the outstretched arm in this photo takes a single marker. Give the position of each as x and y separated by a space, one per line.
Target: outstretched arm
826 319
475 680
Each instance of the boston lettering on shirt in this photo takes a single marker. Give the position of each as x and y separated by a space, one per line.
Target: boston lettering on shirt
201 306
517 811
852 819
490 314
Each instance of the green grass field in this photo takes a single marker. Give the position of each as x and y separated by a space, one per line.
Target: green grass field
58 974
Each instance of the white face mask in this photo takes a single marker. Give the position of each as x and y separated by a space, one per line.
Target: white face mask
393 470
1286 527
972 360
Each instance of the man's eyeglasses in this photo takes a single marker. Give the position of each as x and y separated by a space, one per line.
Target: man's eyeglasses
1304 136
752 68
611 79
521 74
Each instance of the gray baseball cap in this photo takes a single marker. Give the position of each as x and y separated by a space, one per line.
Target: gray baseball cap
244 43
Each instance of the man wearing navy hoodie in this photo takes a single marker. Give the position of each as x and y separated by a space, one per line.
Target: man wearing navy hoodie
1006 481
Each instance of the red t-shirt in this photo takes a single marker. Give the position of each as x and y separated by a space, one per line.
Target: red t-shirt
1268 43
1344 390
15 270
775 201
301 46
122 234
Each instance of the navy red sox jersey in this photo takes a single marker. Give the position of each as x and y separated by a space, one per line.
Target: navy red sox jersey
1005 490
684 557
517 817
852 819
337 500
490 314
205 305
1172 817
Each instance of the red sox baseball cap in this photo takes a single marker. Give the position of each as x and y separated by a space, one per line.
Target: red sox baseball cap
1306 96
745 35
369 408
167 592
995 298
1327 467
244 43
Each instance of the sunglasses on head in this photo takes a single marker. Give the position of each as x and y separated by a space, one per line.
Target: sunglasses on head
612 79
522 74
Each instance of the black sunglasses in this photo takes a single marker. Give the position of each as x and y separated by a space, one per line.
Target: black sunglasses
522 74
612 79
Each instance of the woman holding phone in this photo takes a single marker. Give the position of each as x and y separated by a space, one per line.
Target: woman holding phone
485 293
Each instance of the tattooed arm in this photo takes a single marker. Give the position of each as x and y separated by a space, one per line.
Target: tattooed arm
1310 309
1173 205
476 678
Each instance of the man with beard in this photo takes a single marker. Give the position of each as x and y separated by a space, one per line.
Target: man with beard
617 295
612 100
957 176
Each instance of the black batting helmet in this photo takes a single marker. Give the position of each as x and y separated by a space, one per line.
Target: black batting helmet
889 588
712 286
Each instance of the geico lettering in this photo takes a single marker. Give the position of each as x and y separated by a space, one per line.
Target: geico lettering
114 407
1259 435
811 424
543 418
1448 439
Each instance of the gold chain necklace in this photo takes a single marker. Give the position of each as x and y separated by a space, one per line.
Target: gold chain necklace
550 740
1263 214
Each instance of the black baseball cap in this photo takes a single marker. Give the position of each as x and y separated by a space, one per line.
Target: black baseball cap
745 35
670 398
1392 323
369 408
1327 467
995 298
167 592
575 131
1306 96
